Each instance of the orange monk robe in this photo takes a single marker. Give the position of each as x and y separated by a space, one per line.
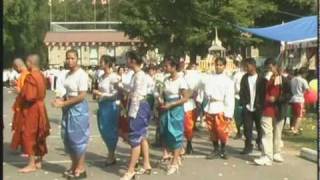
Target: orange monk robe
33 120
20 81
218 127
19 85
16 106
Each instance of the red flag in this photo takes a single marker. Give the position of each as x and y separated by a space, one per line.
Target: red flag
93 2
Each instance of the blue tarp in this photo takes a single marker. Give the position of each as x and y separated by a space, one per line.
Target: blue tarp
302 29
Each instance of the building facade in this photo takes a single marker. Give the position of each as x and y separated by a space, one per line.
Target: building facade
91 45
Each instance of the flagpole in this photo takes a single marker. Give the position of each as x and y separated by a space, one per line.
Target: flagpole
65 11
50 15
109 12
95 15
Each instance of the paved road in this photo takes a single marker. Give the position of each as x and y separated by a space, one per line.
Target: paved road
194 167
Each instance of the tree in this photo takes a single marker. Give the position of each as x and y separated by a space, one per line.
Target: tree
288 10
23 29
187 25
174 26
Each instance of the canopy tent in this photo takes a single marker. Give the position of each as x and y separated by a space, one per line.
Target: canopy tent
297 31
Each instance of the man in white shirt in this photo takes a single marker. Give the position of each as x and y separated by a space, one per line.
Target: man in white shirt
299 86
219 93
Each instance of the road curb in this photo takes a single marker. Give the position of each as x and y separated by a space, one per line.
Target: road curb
309 154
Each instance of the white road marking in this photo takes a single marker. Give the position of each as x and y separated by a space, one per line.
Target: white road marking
58 136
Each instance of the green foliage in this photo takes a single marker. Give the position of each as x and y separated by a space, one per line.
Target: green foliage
23 28
192 22
173 26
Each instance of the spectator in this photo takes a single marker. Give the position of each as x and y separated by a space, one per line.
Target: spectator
278 95
298 87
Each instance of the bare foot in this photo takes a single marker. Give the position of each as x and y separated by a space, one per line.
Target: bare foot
38 165
28 169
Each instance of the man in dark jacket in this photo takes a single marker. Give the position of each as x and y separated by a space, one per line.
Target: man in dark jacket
278 95
252 93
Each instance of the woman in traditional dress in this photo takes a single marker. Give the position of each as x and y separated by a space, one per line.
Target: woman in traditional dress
108 113
75 117
139 117
172 115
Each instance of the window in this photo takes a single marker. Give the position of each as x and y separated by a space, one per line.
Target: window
110 51
93 56
79 54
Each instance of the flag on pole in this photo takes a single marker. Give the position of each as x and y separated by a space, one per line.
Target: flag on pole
93 2
49 2
103 2
282 44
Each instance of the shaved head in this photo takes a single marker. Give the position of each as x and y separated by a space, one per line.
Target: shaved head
18 64
33 61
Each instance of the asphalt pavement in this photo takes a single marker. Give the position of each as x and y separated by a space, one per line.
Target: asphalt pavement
237 167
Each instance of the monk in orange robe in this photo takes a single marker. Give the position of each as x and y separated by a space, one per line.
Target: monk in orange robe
33 121
20 67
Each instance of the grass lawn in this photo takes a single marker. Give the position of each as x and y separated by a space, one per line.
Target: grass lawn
308 138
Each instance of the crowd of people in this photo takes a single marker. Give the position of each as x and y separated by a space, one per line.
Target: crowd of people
173 94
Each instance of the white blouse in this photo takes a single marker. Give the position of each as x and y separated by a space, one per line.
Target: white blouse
76 82
138 91
107 85
192 79
60 89
172 87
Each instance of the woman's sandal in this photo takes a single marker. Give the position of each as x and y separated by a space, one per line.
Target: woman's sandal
82 175
67 173
110 163
144 171
172 169
128 176
165 159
